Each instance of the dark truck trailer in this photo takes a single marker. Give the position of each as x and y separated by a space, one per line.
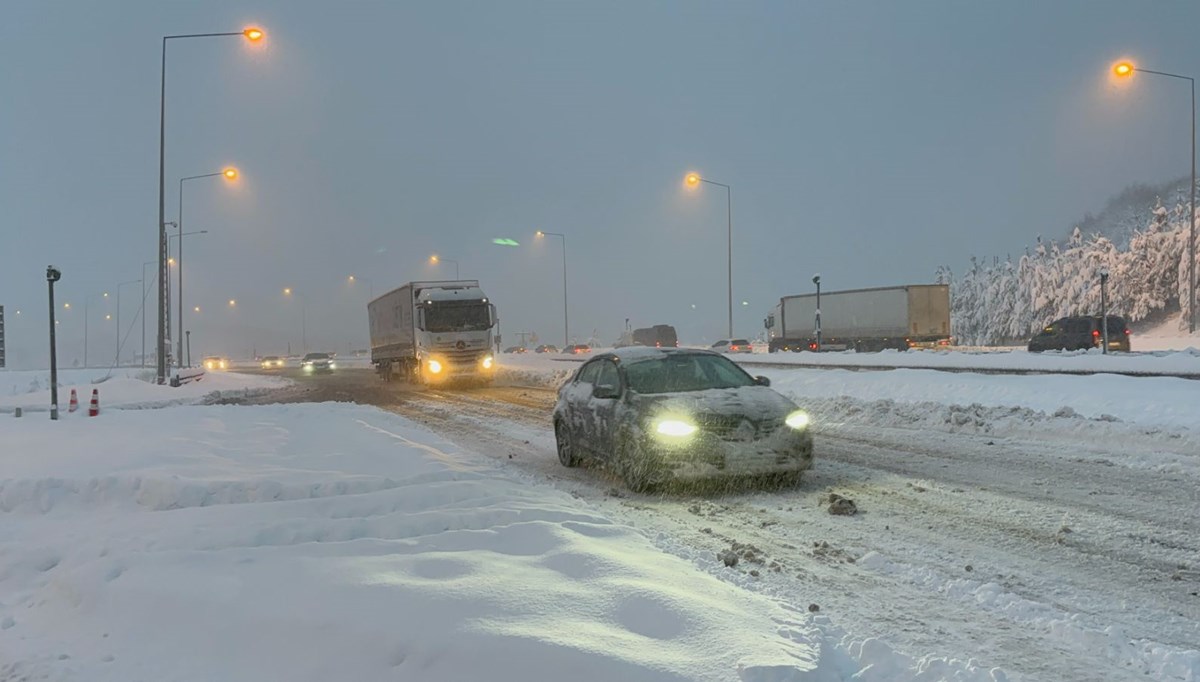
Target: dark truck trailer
903 317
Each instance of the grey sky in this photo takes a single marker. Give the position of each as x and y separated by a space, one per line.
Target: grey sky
868 141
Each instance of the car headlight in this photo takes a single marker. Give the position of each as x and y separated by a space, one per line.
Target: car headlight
332 366
674 428
487 362
308 367
435 367
797 420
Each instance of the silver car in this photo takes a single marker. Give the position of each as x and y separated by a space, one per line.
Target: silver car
658 415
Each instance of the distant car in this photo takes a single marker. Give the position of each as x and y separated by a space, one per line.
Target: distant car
546 348
660 415
516 349
1081 333
216 362
732 346
577 349
272 362
318 362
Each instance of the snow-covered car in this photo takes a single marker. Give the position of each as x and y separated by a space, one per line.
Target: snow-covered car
272 362
318 362
516 349
546 348
732 346
657 415
216 362
577 349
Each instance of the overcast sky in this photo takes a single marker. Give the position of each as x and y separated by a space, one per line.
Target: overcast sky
867 141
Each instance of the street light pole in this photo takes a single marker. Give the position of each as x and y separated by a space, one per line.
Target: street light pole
817 281
1125 70
251 34
1104 308
435 259
87 302
132 281
694 179
303 317
143 310
228 173
566 323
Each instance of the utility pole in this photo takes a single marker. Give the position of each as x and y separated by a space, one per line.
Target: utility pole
1104 308
817 281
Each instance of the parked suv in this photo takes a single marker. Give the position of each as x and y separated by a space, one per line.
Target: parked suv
1081 333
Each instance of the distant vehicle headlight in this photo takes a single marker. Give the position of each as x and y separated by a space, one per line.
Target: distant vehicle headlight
435 367
797 420
308 367
487 362
675 428
332 366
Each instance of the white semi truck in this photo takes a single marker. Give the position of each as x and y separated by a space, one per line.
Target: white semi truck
433 332
903 317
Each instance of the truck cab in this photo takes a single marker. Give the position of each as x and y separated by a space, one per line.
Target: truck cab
454 333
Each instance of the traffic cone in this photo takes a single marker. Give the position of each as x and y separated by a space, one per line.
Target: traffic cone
74 402
94 409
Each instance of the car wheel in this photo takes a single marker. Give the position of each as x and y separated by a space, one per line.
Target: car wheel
635 468
566 446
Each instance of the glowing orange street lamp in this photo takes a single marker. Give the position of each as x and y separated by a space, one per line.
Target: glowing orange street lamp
230 173
1125 69
692 181
435 259
253 34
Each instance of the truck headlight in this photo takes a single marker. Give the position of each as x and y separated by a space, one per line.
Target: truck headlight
674 427
435 367
797 420
487 362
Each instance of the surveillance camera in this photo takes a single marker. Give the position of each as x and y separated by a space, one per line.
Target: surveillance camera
52 274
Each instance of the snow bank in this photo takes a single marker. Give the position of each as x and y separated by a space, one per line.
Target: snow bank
1092 361
126 388
338 542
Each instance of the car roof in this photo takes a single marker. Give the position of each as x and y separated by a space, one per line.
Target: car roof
638 353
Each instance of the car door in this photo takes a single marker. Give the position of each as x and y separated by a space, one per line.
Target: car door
578 403
603 425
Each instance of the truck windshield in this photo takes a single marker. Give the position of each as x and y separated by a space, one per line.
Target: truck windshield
457 317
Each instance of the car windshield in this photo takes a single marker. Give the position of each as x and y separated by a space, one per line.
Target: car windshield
457 317
317 356
740 342
677 373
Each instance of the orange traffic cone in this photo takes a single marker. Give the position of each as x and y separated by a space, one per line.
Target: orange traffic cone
94 409
74 402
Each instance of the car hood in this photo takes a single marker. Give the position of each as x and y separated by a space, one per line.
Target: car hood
755 403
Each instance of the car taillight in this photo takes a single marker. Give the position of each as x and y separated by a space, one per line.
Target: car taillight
812 346
1095 332
658 344
733 348
1126 332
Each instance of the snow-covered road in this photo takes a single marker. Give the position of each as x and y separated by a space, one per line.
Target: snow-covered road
1053 544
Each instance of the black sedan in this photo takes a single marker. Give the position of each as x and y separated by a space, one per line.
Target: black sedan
657 415
317 362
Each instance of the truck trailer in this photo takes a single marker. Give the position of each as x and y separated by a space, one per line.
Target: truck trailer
433 332
903 317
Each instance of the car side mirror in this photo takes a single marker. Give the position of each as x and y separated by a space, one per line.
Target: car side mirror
606 391
762 381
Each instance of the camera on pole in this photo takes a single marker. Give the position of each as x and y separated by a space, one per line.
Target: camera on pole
53 274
